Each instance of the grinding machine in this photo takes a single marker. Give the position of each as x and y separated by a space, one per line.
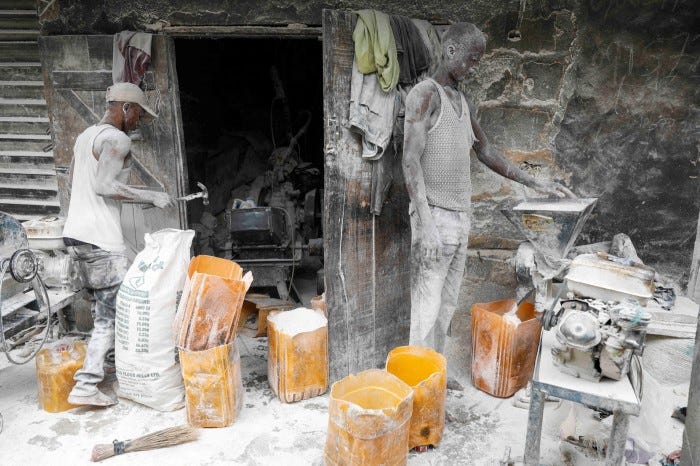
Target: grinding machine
601 322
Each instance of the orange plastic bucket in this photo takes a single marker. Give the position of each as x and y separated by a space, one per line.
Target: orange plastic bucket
297 362
369 418
210 305
55 368
213 385
504 346
215 266
425 370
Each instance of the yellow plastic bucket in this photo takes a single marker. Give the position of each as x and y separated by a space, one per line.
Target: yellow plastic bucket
55 368
425 370
213 385
297 358
369 418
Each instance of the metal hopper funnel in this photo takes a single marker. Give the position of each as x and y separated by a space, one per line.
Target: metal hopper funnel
551 225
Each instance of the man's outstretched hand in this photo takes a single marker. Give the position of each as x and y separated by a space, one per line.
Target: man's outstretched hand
552 188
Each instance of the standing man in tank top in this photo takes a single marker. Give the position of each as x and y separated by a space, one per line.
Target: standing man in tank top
439 132
93 233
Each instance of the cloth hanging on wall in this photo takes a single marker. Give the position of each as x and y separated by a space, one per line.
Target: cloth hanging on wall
432 41
131 55
372 112
376 100
375 48
412 53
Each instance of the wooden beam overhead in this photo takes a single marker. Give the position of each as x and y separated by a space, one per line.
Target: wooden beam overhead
287 32
91 80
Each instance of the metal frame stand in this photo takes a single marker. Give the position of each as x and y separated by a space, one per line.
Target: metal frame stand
617 396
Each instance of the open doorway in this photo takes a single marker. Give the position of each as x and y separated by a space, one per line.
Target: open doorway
252 112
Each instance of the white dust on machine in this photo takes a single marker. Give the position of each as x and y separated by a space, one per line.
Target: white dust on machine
601 322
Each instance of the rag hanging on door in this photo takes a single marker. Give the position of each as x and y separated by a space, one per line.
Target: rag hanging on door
413 55
389 50
131 55
375 48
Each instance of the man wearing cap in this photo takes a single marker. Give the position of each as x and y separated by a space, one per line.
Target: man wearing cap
93 233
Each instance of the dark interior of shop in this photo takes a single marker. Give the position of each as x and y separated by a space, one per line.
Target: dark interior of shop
252 115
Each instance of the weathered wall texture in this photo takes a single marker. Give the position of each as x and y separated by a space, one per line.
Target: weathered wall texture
603 97
101 16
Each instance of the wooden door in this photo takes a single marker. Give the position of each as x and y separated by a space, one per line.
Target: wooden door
77 71
366 258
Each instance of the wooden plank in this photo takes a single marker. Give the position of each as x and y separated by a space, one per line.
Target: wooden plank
366 258
339 297
76 103
245 31
21 320
143 174
16 302
57 297
178 135
95 80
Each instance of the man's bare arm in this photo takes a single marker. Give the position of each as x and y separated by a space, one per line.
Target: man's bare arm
421 103
113 148
496 161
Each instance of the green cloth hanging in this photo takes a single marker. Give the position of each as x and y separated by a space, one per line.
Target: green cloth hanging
375 48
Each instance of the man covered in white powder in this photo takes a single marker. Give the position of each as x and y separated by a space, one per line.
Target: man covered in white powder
439 133
93 234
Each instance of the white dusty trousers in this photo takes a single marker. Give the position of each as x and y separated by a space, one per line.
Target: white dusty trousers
435 284
102 272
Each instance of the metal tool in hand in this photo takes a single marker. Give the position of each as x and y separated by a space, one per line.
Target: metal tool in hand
204 194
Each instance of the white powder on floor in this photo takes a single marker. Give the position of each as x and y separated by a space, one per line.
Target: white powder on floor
298 320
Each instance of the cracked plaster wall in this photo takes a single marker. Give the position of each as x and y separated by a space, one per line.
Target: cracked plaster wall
599 94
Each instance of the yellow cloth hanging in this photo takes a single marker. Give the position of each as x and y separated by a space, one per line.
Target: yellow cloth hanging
375 48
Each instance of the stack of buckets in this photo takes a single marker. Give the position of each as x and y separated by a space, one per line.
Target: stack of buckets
212 376
377 416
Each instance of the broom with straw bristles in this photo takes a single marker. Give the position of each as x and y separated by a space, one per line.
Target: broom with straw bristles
163 438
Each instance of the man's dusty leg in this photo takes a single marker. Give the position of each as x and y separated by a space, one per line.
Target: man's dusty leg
450 295
427 281
102 340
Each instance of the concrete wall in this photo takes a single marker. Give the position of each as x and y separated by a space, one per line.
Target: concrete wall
600 94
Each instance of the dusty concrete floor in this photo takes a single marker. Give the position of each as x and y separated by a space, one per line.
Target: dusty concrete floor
268 432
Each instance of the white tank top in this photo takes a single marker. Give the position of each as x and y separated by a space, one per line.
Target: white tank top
91 218
445 159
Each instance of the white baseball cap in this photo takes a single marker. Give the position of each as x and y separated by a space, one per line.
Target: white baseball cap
128 92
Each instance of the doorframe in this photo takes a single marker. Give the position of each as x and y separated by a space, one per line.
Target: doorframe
292 31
